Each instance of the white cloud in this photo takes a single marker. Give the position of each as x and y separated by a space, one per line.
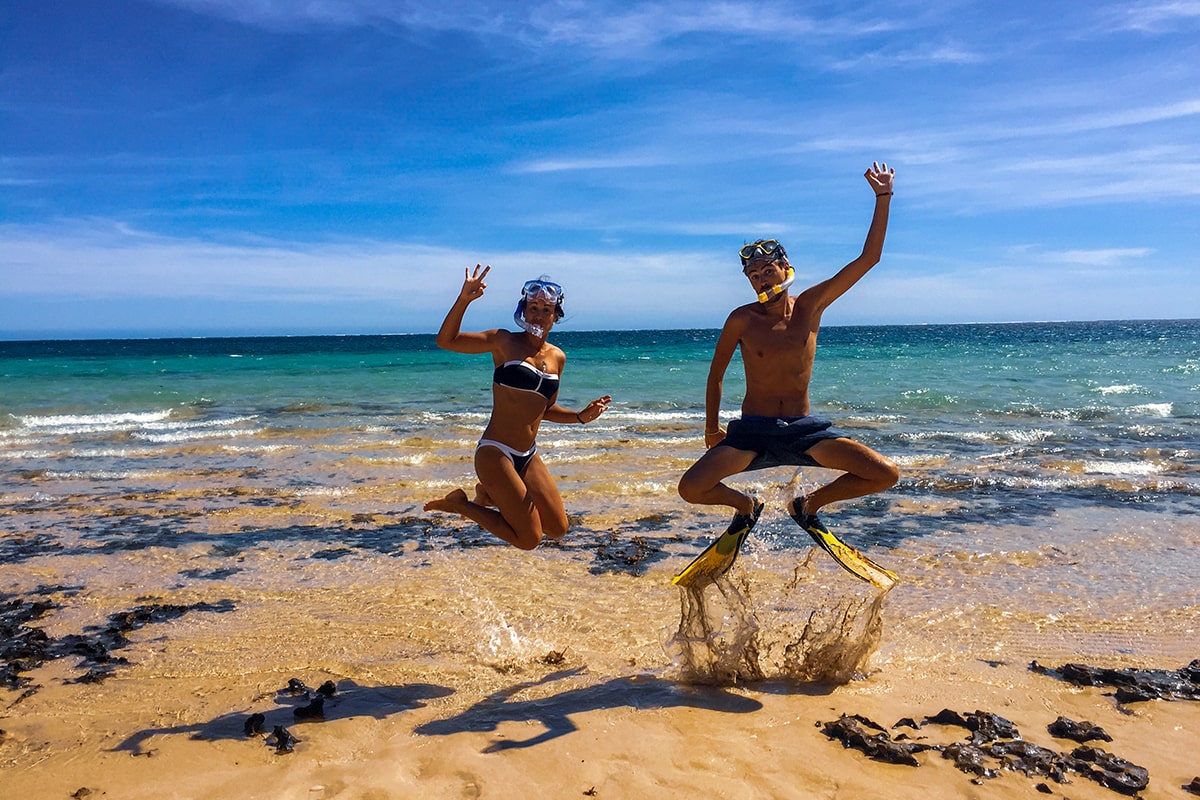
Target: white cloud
114 262
614 29
1049 286
1155 17
372 285
955 54
596 163
1110 257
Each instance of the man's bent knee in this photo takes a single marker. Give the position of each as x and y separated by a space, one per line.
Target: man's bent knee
885 474
691 489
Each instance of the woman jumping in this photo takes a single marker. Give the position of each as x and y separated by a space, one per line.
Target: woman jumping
516 498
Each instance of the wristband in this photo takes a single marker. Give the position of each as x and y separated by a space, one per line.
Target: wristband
884 194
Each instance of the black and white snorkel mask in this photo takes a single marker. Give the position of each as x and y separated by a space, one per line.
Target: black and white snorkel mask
540 289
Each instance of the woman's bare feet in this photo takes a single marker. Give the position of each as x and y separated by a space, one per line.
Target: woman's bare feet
452 503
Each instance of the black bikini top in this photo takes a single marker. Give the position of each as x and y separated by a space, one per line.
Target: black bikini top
526 377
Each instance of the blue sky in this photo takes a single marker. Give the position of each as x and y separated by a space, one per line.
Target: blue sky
200 167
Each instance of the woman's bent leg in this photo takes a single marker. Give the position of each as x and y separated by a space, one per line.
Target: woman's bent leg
515 518
546 499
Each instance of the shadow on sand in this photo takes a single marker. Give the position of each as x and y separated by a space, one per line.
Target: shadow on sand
350 700
638 692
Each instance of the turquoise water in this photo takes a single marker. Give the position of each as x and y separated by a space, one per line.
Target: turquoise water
1057 463
1029 407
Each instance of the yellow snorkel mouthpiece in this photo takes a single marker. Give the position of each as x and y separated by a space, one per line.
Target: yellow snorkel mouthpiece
775 291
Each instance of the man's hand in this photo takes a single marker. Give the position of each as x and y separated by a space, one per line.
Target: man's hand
714 438
880 178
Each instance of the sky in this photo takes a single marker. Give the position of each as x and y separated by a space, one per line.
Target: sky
260 167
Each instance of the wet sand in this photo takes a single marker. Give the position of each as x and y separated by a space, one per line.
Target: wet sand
461 675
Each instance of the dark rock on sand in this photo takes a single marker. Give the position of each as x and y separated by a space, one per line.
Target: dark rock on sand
994 745
863 734
1082 732
1030 759
314 710
284 741
1132 685
969 758
1109 770
254 724
984 726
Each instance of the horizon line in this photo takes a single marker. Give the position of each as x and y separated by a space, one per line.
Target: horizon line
131 337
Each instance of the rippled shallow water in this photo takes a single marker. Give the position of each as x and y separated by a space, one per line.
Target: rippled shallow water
1049 503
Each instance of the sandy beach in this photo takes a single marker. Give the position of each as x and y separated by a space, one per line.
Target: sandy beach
453 687
190 533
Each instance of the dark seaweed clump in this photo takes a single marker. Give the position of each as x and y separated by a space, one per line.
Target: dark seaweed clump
994 745
1132 685
24 648
283 739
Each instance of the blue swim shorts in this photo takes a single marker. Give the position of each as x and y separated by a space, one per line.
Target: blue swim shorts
779 441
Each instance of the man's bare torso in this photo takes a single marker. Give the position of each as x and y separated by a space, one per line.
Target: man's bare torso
778 346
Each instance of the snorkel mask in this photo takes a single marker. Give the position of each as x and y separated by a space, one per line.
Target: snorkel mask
772 249
540 289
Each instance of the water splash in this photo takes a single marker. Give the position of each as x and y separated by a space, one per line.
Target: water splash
834 644
501 646
709 648
803 636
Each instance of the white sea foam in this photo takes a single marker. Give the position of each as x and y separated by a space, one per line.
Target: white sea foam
451 417
645 487
500 644
642 441
876 418
1014 435
194 435
577 457
1027 436
261 448
414 460
323 491
1127 388
30 455
104 475
1153 409
111 452
17 436
75 424
194 424
1130 468
127 418
673 416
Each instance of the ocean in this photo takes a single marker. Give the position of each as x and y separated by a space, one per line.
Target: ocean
1048 505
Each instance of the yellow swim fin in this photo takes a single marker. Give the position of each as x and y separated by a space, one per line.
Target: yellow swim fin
719 556
848 557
